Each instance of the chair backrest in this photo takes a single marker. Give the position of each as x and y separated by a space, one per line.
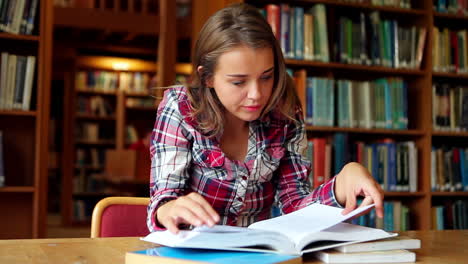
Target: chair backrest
120 217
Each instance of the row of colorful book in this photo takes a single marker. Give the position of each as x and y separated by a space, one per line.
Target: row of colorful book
108 81
449 51
369 40
391 3
18 16
450 215
381 103
16 81
449 169
396 218
459 7
302 33
449 107
392 164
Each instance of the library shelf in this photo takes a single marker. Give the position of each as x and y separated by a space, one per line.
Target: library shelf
450 75
439 15
90 194
142 108
407 132
362 6
449 133
19 37
355 67
18 113
97 92
95 143
88 167
98 19
95 117
449 194
404 194
17 189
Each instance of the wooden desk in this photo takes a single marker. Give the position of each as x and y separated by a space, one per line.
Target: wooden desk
437 247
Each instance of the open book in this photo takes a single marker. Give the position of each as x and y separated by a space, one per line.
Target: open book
312 228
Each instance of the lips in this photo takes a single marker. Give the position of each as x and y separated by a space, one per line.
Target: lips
252 108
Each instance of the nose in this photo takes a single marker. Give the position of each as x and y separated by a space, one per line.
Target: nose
255 91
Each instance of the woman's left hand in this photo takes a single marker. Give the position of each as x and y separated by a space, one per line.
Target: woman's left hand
355 180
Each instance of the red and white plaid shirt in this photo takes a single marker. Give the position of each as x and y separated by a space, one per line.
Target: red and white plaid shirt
183 160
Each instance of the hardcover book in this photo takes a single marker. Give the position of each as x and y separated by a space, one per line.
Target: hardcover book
169 255
388 256
392 243
312 228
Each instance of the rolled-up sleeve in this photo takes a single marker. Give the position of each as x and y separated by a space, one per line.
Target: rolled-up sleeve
170 156
294 191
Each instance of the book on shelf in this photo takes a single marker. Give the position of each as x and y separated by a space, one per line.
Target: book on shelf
315 227
168 255
386 256
391 243
16 81
18 16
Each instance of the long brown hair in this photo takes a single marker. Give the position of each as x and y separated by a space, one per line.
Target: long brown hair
235 25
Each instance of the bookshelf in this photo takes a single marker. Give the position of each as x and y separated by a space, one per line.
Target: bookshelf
24 128
87 33
125 89
420 80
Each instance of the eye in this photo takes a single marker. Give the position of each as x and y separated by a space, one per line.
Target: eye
267 77
237 83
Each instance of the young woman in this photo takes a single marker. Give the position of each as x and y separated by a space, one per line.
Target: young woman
228 146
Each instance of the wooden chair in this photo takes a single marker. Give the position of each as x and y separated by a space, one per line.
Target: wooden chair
120 217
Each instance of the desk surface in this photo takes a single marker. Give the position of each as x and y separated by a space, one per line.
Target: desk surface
436 247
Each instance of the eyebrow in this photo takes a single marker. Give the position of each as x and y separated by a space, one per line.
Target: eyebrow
243 75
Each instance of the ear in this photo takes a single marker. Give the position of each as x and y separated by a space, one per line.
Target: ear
209 81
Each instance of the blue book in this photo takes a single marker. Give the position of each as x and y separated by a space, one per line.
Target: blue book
169 255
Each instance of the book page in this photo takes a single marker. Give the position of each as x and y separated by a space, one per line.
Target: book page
311 219
343 232
225 237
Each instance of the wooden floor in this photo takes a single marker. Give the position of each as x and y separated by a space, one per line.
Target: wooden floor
56 230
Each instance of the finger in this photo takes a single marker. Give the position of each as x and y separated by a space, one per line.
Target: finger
171 225
197 210
377 196
188 215
350 204
206 207
365 202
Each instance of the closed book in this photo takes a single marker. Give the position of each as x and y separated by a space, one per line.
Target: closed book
168 255
387 256
391 243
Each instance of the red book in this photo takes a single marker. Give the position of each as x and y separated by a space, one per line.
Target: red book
273 18
319 161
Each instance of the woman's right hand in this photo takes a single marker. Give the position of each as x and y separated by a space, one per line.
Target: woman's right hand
190 209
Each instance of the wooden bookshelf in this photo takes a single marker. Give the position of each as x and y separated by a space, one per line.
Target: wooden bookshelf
420 93
23 199
123 115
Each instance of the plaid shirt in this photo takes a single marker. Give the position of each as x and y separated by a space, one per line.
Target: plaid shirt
184 160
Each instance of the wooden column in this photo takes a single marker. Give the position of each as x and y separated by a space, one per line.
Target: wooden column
42 122
167 45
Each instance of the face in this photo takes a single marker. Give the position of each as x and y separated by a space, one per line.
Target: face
243 81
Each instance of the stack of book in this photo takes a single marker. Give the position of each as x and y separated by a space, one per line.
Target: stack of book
283 239
389 250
